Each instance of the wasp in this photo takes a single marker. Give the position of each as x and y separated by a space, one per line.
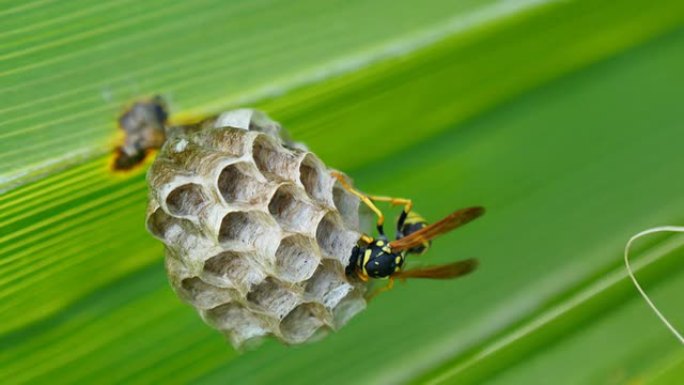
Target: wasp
384 259
144 126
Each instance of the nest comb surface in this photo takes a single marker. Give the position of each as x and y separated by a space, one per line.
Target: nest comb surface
257 231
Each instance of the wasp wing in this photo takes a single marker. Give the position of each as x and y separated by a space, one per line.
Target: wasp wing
456 219
448 271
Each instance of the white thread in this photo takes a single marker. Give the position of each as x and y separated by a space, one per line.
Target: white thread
676 229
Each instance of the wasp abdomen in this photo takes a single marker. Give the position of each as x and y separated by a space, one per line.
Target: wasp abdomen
413 223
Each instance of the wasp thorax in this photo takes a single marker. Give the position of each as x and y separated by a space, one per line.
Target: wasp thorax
257 231
375 260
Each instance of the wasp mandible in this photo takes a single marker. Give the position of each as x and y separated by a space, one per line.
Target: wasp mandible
380 258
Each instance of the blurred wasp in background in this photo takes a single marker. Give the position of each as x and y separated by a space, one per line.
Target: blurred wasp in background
380 258
143 126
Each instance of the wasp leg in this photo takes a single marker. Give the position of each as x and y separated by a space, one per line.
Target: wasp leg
366 239
388 287
361 276
365 199
408 206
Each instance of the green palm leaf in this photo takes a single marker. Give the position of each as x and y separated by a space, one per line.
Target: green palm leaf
562 118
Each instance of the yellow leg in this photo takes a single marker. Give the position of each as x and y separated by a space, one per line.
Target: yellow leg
408 204
366 239
364 198
388 287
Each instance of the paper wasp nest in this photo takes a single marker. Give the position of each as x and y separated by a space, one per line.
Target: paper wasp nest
257 231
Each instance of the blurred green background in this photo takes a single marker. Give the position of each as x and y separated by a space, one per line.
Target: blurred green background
563 118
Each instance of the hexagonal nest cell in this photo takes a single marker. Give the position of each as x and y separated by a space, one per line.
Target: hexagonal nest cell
186 200
256 234
293 211
240 183
273 160
302 323
232 269
165 227
274 298
203 295
316 179
251 229
348 307
347 205
334 239
238 322
328 285
297 258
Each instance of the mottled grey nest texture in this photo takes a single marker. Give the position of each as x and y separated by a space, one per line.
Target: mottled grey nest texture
257 231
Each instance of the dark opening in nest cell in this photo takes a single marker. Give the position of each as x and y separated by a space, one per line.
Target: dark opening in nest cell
166 227
331 236
230 269
296 258
273 297
203 295
185 200
274 162
291 211
252 229
237 184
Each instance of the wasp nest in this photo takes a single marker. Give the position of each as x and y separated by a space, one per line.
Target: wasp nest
257 231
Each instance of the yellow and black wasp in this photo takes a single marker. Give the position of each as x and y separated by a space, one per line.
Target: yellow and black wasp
381 258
